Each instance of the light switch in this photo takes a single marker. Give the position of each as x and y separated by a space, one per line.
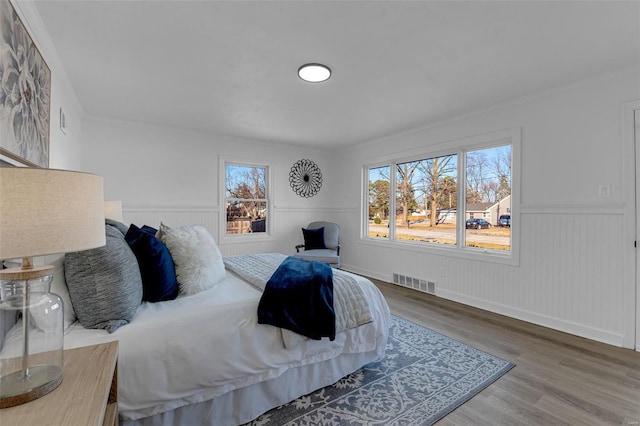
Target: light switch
604 191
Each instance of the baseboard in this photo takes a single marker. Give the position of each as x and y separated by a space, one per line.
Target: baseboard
592 333
366 273
559 324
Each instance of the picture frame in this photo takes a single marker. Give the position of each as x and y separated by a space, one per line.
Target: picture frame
11 161
25 101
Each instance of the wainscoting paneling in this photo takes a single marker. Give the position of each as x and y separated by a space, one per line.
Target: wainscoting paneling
174 216
570 275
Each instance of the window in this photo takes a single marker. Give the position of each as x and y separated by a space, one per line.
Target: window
488 195
426 188
379 203
246 199
456 200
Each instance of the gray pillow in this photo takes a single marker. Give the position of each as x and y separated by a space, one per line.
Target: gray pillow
104 283
118 225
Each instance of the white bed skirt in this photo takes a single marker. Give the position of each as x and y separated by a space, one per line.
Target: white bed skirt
232 408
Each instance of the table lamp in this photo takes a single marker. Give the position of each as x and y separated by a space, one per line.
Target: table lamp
42 211
113 210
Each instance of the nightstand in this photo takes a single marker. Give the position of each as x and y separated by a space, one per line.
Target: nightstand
88 394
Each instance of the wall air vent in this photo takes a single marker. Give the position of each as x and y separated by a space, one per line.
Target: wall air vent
414 283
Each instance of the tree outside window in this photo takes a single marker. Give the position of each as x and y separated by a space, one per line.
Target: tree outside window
246 199
379 202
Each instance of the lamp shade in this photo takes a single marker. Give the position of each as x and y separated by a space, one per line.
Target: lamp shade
113 210
47 211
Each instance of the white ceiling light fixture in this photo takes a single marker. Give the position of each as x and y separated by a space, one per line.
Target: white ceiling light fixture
314 73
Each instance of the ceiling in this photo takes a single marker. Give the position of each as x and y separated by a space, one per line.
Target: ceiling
230 68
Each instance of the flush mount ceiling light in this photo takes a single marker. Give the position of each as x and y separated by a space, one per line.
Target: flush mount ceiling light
314 73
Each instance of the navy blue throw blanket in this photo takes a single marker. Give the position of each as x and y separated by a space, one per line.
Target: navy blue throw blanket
299 297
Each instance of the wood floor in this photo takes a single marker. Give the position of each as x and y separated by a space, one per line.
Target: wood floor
559 379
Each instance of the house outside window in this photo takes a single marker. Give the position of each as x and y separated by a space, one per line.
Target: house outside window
452 201
246 199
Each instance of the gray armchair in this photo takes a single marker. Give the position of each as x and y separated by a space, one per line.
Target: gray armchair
322 246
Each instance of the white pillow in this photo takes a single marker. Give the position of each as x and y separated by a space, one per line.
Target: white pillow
196 256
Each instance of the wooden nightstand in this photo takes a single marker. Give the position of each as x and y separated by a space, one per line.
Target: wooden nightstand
88 394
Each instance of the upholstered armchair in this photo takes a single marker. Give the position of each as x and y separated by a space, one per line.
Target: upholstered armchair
321 243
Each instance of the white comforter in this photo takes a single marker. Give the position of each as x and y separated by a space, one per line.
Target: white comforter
198 347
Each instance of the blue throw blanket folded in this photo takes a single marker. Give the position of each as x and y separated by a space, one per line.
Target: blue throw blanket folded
299 297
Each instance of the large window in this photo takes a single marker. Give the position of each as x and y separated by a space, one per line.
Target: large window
462 199
246 199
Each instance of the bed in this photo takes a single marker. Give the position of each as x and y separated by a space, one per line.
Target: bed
203 358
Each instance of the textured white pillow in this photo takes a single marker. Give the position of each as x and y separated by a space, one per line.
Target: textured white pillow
196 256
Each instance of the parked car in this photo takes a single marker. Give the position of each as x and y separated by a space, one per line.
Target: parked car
505 220
476 223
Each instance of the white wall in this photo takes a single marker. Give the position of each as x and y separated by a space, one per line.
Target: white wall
173 175
572 274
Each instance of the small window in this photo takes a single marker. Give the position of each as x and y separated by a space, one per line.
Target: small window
246 201
379 202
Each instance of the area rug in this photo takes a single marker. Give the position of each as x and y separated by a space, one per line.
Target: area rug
423 377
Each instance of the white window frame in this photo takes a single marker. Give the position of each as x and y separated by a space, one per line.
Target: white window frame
250 237
460 147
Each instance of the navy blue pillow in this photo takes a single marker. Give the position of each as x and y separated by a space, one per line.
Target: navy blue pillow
149 230
313 238
157 270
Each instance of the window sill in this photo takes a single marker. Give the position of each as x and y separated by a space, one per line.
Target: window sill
505 258
245 238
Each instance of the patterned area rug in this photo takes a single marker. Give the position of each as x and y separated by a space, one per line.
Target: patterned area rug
423 377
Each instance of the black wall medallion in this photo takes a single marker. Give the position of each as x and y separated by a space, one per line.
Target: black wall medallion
305 178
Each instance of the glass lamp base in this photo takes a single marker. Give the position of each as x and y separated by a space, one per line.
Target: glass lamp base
16 390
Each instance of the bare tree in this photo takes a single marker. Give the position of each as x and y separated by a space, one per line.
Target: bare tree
477 168
435 172
249 188
488 179
405 196
502 166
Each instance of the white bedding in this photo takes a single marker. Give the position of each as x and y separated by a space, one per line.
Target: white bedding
200 347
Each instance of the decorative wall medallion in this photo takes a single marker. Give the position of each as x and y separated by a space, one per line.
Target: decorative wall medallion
305 178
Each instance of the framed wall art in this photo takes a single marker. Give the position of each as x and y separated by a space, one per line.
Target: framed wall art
25 93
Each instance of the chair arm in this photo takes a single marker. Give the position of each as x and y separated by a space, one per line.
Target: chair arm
298 247
338 253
